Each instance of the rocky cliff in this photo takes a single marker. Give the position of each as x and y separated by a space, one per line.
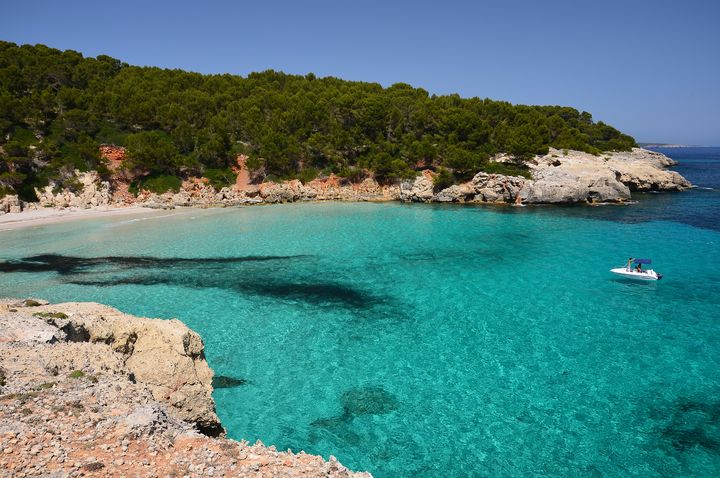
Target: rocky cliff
559 177
85 388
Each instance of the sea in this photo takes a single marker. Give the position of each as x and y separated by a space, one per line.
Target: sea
431 340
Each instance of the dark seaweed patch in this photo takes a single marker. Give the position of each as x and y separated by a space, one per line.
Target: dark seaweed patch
223 381
315 294
227 273
357 402
694 424
368 401
73 265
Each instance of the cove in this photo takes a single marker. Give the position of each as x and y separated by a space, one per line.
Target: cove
424 340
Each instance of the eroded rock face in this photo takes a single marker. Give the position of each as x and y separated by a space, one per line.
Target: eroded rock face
93 193
10 203
558 177
644 170
164 355
497 188
418 190
562 178
287 191
610 177
69 408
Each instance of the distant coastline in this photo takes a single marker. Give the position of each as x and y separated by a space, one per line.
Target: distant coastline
671 145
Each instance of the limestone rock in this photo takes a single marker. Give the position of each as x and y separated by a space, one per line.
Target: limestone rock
164 355
497 187
20 328
455 193
418 190
94 192
643 170
575 176
10 204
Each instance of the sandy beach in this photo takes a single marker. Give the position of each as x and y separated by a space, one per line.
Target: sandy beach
41 217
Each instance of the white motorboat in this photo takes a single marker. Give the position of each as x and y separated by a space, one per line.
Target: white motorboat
634 273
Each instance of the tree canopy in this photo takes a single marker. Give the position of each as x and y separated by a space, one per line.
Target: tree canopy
57 107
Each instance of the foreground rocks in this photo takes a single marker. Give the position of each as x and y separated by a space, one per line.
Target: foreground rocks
85 389
559 177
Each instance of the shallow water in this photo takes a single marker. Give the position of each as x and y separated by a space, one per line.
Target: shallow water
417 340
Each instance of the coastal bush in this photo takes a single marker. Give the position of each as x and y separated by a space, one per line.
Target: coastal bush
220 178
76 374
51 315
508 169
161 183
444 179
57 107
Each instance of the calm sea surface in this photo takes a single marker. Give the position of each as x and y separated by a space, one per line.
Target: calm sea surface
425 340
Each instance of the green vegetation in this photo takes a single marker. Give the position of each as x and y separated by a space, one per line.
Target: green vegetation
76 374
157 183
443 179
51 315
21 397
32 303
56 107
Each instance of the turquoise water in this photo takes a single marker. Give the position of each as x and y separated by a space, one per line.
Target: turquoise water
417 340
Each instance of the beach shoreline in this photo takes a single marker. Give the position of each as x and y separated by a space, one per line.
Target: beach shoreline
42 217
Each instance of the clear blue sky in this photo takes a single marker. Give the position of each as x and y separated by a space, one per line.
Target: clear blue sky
650 68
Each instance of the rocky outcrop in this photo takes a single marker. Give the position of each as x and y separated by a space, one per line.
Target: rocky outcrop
497 188
77 397
559 177
644 170
92 192
418 190
163 355
575 176
85 389
10 204
564 178
287 191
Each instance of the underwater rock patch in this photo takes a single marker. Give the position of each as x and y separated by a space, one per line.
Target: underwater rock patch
223 381
368 401
694 424
356 402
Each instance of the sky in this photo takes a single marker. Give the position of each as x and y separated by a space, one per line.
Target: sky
649 68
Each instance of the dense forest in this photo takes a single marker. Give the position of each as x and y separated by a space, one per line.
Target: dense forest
57 107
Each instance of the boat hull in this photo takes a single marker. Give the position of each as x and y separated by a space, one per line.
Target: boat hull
631 274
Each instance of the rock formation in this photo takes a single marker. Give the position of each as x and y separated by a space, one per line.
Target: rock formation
418 190
10 204
558 177
572 177
93 192
163 355
85 388
583 177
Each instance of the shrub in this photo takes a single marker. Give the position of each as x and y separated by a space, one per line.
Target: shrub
443 179
76 374
161 183
220 178
306 175
508 169
51 315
